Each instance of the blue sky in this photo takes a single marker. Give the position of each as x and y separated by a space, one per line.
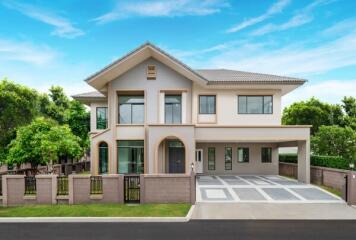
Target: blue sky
44 43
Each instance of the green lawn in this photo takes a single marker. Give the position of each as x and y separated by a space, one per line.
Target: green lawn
97 210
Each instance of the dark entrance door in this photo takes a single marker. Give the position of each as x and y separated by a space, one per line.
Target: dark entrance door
132 189
176 157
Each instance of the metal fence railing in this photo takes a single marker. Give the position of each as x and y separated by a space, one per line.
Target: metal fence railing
62 186
30 185
96 185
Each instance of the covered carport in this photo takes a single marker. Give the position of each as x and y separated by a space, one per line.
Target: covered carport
281 136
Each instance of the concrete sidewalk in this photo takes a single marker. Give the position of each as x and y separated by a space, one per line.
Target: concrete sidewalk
275 211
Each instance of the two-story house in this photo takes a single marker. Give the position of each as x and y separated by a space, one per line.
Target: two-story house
153 114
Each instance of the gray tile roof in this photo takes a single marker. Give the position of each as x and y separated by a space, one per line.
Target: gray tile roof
226 76
94 94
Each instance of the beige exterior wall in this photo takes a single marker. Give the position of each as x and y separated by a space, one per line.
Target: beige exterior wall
224 126
167 80
227 107
93 107
254 166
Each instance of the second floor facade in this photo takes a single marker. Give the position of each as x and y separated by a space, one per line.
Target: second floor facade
155 89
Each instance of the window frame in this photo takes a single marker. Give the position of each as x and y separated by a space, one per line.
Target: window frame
207 95
131 109
263 102
106 118
238 154
226 148
171 104
211 160
262 155
101 147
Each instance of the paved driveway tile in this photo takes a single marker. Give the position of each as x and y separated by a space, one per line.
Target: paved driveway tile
313 194
279 194
248 194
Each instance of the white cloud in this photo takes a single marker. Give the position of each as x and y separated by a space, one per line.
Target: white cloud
295 21
25 52
162 8
302 17
340 27
274 9
63 27
331 91
294 59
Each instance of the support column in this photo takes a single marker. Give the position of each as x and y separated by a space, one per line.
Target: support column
304 161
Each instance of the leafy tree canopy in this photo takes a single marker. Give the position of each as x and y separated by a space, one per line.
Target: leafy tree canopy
313 112
18 106
335 141
42 141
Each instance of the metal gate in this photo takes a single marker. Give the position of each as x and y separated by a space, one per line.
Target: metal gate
132 189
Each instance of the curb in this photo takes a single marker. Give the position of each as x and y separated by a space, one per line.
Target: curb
96 219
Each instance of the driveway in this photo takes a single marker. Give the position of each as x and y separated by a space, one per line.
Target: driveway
259 189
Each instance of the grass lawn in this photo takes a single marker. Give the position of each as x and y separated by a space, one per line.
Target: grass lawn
97 210
332 190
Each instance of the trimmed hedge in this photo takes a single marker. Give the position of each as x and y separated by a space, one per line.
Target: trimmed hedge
316 160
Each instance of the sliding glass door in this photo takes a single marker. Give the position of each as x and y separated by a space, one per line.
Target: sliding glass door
130 156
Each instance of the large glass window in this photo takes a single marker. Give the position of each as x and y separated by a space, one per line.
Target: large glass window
255 104
266 155
101 117
131 110
130 156
103 158
243 155
207 104
211 158
228 158
173 109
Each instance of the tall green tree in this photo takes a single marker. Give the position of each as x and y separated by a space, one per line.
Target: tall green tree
335 141
18 106
349 106
312 112
43 141
78 119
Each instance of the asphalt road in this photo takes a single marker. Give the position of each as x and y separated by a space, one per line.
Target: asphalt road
213 229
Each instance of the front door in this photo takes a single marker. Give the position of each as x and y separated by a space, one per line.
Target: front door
176 158
199 161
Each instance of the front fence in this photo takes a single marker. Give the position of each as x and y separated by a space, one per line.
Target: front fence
30 185
62 186
96 185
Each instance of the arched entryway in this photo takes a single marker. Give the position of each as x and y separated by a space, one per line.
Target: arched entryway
171 156
103 157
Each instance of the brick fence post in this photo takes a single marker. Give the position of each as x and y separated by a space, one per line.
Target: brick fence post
192 188
351 188
46 189
142 188
13 190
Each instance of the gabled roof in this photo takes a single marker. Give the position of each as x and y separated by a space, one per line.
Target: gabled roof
99 79
226 76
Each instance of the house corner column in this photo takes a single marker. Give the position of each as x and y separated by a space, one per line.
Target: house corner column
304 161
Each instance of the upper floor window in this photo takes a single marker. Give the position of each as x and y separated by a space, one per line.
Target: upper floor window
255 104
173 109
207 104
131 110
101 117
